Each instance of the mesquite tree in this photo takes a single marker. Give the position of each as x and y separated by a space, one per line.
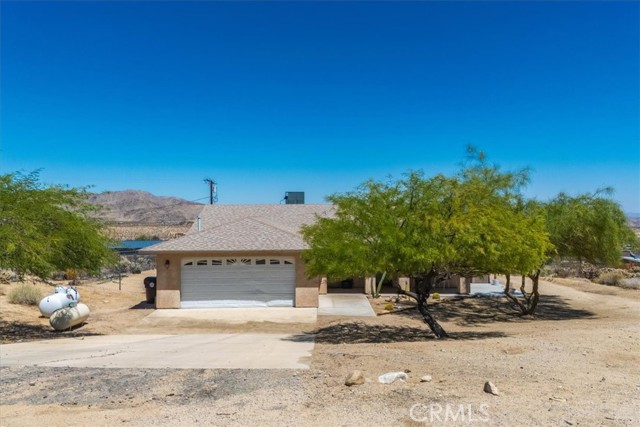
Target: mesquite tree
425 228
47 228
589 227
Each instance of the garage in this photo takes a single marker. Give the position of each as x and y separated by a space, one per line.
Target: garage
239 256
237 282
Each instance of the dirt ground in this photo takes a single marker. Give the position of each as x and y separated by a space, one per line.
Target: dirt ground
576 363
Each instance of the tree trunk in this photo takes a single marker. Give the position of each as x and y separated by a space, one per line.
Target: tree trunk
535 295
511 297
424 286
431 321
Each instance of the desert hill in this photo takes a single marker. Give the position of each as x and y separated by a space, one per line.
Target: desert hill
134 214
143 207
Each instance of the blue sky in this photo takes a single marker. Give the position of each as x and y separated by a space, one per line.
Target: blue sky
270 97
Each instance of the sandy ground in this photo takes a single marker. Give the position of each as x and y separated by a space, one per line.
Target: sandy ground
576 363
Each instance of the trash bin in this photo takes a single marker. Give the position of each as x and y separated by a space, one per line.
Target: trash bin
150 289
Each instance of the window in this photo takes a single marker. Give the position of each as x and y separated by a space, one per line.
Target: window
240 262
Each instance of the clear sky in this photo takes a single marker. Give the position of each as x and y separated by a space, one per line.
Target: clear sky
269 97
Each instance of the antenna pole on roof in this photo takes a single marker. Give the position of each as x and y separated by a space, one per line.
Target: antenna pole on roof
213 190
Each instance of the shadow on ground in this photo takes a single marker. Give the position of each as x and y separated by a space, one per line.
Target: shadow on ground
143 305
470 312
11 332
485 310
361 333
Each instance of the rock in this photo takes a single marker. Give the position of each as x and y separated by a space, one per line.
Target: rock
354 378
32 383
489 387
426 379
390 377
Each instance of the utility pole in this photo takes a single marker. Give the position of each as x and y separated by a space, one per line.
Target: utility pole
213 190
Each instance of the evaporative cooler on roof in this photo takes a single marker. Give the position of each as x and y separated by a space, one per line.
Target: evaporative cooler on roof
294 197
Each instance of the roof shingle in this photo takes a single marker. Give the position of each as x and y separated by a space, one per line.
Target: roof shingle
247 228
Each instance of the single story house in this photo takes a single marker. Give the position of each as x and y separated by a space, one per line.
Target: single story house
249 256
239 256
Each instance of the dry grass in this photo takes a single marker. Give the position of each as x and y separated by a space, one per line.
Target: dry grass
630 283
25 295
611 278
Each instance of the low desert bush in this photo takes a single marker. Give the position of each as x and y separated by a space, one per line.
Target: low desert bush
6 276
611 278
24 294
630 283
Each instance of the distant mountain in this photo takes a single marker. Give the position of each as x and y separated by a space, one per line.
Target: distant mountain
132 206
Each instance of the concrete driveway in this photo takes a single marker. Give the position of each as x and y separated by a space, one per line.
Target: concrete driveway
211 351
231 316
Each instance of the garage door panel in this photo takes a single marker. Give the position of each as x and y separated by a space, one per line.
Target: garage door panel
237 285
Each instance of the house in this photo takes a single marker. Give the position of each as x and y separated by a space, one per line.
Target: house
239 256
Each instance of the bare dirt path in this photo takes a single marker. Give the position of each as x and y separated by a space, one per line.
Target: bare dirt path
577 363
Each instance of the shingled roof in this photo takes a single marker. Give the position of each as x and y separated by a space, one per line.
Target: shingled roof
247 228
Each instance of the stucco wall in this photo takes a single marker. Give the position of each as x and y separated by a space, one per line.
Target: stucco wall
168 281
306 289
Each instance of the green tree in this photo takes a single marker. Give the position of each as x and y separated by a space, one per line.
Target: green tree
377 229
430 229
589 227
47 228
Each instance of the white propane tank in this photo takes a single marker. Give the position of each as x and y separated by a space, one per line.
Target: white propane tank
74 294
70 316
49 304
69 291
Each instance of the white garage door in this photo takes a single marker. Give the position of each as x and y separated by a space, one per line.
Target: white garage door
238 282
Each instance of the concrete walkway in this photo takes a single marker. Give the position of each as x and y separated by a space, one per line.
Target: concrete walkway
345 305
214 351
493 289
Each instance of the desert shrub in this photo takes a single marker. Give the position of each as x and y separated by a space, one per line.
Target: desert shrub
24 294
612 278
389 307
6 276
630 283
71 274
